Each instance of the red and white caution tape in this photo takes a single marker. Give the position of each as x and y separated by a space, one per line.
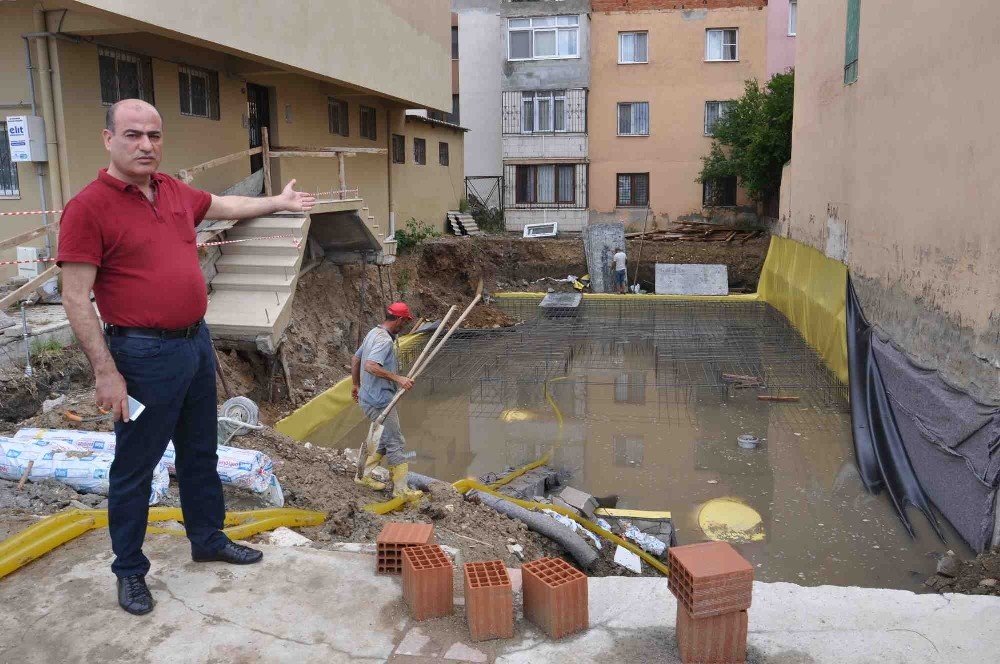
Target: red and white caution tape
29 212
296 242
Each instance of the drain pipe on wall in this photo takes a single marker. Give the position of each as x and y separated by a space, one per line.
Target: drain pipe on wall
391 230
48 109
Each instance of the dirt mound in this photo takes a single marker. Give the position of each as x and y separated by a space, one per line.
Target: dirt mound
54 371
979 576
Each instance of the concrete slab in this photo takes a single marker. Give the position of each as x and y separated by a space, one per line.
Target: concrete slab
696 279
309 605
561 300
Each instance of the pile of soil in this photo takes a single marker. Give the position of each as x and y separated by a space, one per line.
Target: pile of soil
54 372
979 576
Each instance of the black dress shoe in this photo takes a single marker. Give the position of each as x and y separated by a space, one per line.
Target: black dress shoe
234 553
134 596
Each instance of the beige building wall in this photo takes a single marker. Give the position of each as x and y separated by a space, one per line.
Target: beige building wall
676 82
420 191
896 174
299 117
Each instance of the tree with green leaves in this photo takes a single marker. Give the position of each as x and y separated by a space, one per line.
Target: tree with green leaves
753 140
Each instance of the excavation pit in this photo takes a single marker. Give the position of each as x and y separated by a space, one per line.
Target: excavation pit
630 395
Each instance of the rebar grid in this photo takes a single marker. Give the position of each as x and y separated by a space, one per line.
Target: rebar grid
668 354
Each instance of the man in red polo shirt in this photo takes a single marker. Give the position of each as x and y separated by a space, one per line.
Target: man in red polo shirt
129 236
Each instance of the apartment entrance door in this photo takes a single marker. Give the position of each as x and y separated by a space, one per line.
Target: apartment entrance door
258 116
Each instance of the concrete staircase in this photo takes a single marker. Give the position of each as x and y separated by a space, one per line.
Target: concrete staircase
252 293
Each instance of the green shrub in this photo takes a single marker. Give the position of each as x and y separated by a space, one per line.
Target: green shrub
414 234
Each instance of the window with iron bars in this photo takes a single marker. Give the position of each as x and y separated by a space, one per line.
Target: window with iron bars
9 185
720 192
124 75
337 116
552 184
633 189
420 151
369 127
443 156
398 149
199 92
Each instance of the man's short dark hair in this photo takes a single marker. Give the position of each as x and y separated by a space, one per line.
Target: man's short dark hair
391 317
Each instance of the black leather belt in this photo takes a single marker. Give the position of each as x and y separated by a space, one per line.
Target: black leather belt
152 333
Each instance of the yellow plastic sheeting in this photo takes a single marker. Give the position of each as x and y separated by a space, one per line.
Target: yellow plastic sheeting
811 291
730 520
53 531
333 411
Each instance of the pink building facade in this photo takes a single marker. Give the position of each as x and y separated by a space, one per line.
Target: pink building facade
782 17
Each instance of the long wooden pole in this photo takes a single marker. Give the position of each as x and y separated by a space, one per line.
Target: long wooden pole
265 143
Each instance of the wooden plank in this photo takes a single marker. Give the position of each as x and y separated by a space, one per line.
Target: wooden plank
29 235
300 148
321 155
768 397
266 146
341 171
187 174
29 287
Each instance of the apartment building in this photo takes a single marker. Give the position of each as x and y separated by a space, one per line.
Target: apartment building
544 109
782 22
219 74
661 77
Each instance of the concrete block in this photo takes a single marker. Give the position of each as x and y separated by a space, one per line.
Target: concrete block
555 597
674 279
489 600
580 501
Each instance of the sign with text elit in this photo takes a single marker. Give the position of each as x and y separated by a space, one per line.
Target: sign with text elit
26 137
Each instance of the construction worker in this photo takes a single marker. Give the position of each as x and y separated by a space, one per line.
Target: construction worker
373 372
130 237
618 263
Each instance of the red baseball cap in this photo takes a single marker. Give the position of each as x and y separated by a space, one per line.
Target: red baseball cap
400 310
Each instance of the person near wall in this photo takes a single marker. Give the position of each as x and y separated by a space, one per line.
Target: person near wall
373 373
618 263
129 236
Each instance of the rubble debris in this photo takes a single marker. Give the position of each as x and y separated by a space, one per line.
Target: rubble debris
584 503
649 543
283 536
630 561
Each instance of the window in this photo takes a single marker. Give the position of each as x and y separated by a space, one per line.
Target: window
721 45
124 76
368 128
719 193
9 187
633 118
443 154
543 37
454 42
632 47
337 110
398 149
633 189
851 50
715 111
420 151
199 92
793 16
545 184
543 111
630 387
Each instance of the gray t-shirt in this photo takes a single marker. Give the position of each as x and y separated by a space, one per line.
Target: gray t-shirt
378 346
619 260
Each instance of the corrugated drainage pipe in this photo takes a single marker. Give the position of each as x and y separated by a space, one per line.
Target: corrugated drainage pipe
544 525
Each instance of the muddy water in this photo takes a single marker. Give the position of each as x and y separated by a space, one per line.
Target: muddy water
634 405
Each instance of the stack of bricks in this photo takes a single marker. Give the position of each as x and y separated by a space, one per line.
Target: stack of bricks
428 585
555 597
713 585
393 539
489 600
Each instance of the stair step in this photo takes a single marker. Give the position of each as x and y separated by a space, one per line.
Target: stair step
259 264
246 312
243 281
283 247
286 223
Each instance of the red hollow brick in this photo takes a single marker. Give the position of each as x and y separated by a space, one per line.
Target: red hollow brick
393 539
713 640
428 585
710 579
489 600
555 597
